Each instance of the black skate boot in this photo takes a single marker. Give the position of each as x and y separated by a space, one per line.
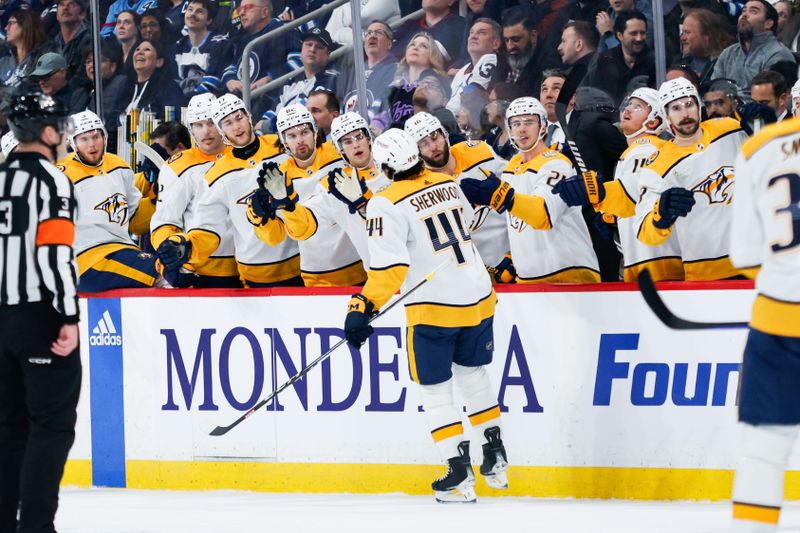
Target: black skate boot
495 462
458 484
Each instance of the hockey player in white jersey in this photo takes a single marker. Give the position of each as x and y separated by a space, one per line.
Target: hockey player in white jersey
110 208
765 244
229 184
181 182
687 187
468 159
420 221
327 256
642 119
549 240
340 198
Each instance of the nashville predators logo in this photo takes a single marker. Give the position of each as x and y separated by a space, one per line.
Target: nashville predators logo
116 207
718 186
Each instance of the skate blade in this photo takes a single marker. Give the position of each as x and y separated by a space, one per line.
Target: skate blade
498 478
457 495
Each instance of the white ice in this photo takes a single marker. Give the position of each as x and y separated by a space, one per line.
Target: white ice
142 511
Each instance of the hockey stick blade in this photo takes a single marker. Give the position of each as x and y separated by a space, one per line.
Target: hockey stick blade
221 430
149 153
657 305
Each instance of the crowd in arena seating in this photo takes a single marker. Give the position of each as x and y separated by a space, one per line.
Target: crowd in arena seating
741 56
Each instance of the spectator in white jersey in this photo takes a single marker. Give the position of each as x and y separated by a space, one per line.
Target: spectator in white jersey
483 44
314 54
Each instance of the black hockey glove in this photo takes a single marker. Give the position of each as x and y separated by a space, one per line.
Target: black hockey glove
356 325
492 191
673 203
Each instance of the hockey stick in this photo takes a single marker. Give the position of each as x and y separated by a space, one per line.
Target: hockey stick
221 430
149 153
654 301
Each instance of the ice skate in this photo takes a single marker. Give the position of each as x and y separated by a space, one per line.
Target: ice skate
495 463
458 484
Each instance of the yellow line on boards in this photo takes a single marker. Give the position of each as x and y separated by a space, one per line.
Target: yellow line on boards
533 481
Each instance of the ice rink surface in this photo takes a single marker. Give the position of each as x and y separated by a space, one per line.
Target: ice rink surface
140 511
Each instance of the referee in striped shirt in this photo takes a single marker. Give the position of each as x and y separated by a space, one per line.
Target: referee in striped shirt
40 367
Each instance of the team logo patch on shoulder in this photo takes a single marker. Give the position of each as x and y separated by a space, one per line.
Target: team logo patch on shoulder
717 186
116 207
62 168
175 157
551 153
643 140
651 158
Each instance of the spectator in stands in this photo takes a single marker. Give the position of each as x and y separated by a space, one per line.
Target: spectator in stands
673 21
441 23
578 45
769 88
269 60
497 137
381 64
324 107
174 15
525 56
422 53
51 75
479 9
721 99
113 86
785 11
604 22
28 42
629 65
758 48
483 45
340 25
137 7
153 26
73 33
548 95
790 31
703 39
314 55
202 55
126 30
431 95
298 8
152 89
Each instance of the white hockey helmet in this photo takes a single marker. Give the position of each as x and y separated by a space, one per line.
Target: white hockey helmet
83 122
796 98
224 106
396 149
347 123
527 105
651 98
7 143
422 124
200 107
677 88
291 116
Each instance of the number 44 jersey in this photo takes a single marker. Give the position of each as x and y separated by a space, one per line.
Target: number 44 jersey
765 230
413 227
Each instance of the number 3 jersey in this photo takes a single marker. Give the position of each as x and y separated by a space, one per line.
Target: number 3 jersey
414 227
549 240
765 231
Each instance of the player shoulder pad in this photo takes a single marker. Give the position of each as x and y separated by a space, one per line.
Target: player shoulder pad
642 140
174 157
397 191
222 166
717 127
551 154
773 131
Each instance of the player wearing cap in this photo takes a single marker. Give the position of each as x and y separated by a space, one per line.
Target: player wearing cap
339 199
110 208
416 225
181 182
549 240
468 159
686 188
327 255
224 204
642 119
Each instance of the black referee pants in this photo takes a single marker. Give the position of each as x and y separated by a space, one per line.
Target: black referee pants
38 399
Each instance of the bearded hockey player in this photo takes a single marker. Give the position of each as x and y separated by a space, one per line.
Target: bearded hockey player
420 221
181 181
687 187
549 240
468 159
110 208
229 184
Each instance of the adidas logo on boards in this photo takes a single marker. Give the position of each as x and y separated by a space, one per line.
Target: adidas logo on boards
105 332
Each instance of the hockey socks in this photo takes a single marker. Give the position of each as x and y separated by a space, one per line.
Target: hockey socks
758 485
443 417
